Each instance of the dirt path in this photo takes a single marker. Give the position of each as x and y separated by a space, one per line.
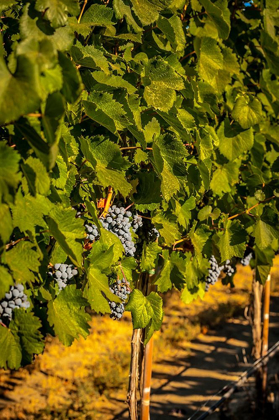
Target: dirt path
217 358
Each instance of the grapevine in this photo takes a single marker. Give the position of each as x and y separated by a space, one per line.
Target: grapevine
138 144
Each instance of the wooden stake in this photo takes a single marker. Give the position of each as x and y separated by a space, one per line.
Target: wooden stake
265 332
147 374
147 365
132 397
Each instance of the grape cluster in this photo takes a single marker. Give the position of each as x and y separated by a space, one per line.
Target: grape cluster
122 290
213 273
146 232
92 232
246 259
63 273
137 222
118 222
228 269
14 299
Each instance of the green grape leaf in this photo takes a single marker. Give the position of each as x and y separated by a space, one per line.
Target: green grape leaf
23 261
234 141
71 88
219 13
264 233
10 356
9 176
98 15
190 295
102 108
90 57
127 266
123 11
56 11
28 212
20 92
148 195
6 223
173 30
36 175
145 309
224 178
168 229
232 242
148 10
105 157
200 236
96 289
247 111
184 213
263 263
210 61
27 326
68 231
168 153
163 281
6 281
115 82
67 316
150 256
45 152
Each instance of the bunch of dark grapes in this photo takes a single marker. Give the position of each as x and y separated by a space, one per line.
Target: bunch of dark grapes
122 290
213 273
137 222
145 230
63 274
92 232
14 299
118 222
228 269
247 258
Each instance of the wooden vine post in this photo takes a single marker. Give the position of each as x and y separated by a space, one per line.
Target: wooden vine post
138 397
265 333
147 367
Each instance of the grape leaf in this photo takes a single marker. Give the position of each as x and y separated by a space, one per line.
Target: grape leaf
247 111
6 281
10 355
67 316
20 92
233 141
6 223
150 255
57 10
96 289
23 262
233 241
27 326
9 176
145 309
68 231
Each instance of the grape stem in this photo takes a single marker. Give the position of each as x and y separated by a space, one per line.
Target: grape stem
247 211
135 147
130 205
82 10
109 197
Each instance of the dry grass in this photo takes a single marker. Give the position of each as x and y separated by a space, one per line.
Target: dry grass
89 379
